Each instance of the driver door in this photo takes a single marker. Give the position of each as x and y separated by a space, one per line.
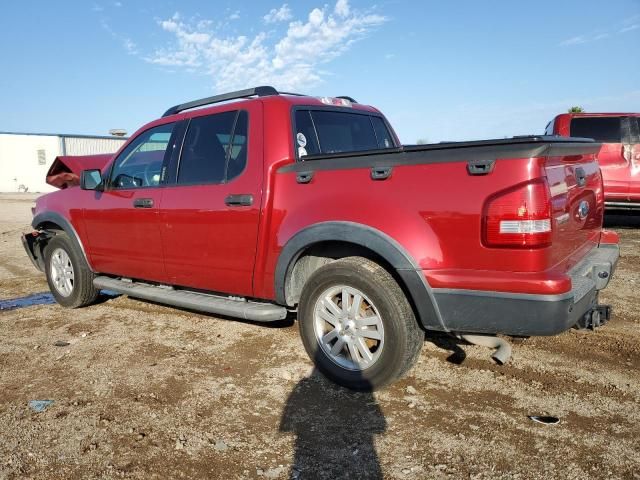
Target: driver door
121 222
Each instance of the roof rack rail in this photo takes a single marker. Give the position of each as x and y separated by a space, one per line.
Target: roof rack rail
351 99
263 91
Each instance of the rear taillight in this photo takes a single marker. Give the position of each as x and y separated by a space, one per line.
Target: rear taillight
519 217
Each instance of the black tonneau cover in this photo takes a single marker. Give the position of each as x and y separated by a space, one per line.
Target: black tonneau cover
477 150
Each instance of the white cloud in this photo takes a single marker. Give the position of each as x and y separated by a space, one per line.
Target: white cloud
628 25
291 61
574 41
342 8
129 45
281 14
235 15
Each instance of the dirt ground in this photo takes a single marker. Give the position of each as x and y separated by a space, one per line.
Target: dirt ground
146 391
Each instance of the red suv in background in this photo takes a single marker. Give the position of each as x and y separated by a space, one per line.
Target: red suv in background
619 156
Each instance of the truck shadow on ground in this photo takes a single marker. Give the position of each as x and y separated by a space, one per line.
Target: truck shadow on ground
334 429
450 343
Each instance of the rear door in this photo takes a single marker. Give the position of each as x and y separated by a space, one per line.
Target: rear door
612 158
211 209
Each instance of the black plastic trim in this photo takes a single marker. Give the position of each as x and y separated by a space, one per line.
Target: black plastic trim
488 150
471 313
382 244
53 217
29 244
263 91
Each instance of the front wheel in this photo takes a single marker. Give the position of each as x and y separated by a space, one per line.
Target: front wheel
68 275
357 325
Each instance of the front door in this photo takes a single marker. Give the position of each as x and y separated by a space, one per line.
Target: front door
210 211
121 222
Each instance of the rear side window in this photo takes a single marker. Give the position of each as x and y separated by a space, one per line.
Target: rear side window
383 137
549 129
601 129
306 139
327 131
214 149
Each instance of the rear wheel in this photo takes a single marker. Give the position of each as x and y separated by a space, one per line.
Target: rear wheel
357 325
68 275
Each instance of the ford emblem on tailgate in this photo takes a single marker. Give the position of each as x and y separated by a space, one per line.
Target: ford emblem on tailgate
583 209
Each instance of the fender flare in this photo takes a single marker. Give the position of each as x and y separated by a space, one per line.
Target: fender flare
382 244
67 227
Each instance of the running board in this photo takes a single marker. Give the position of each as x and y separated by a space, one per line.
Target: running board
258 312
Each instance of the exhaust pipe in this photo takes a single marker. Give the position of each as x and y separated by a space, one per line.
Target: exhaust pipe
503 348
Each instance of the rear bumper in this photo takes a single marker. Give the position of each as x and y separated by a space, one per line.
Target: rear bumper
475 311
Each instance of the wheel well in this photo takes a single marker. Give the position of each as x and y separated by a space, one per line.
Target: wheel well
318 254
50 226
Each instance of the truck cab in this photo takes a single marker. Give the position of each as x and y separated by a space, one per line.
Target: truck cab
619 156
261 205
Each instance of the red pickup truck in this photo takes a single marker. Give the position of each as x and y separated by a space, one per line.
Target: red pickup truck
619 156
263 203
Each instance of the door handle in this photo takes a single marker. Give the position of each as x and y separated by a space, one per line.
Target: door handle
380 173
143 203
239 200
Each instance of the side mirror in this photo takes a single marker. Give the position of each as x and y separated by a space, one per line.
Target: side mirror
91 180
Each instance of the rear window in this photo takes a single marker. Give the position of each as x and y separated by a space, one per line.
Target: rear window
601 129
327 131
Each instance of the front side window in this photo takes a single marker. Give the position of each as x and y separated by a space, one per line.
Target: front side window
601 129
214 149
140 164
328 131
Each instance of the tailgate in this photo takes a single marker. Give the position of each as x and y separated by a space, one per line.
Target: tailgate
577 204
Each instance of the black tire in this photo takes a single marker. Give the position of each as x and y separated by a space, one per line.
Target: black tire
403 338
83 292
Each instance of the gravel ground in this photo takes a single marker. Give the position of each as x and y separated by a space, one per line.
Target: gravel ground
146 391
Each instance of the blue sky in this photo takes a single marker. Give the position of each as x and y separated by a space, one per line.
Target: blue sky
438 70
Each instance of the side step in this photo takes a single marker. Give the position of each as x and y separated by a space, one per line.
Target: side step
258 312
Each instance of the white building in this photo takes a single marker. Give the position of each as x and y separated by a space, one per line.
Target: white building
25 158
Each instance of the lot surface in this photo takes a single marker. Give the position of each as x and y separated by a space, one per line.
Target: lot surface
146 391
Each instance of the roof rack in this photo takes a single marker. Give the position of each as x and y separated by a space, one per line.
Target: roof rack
351 99
263 91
